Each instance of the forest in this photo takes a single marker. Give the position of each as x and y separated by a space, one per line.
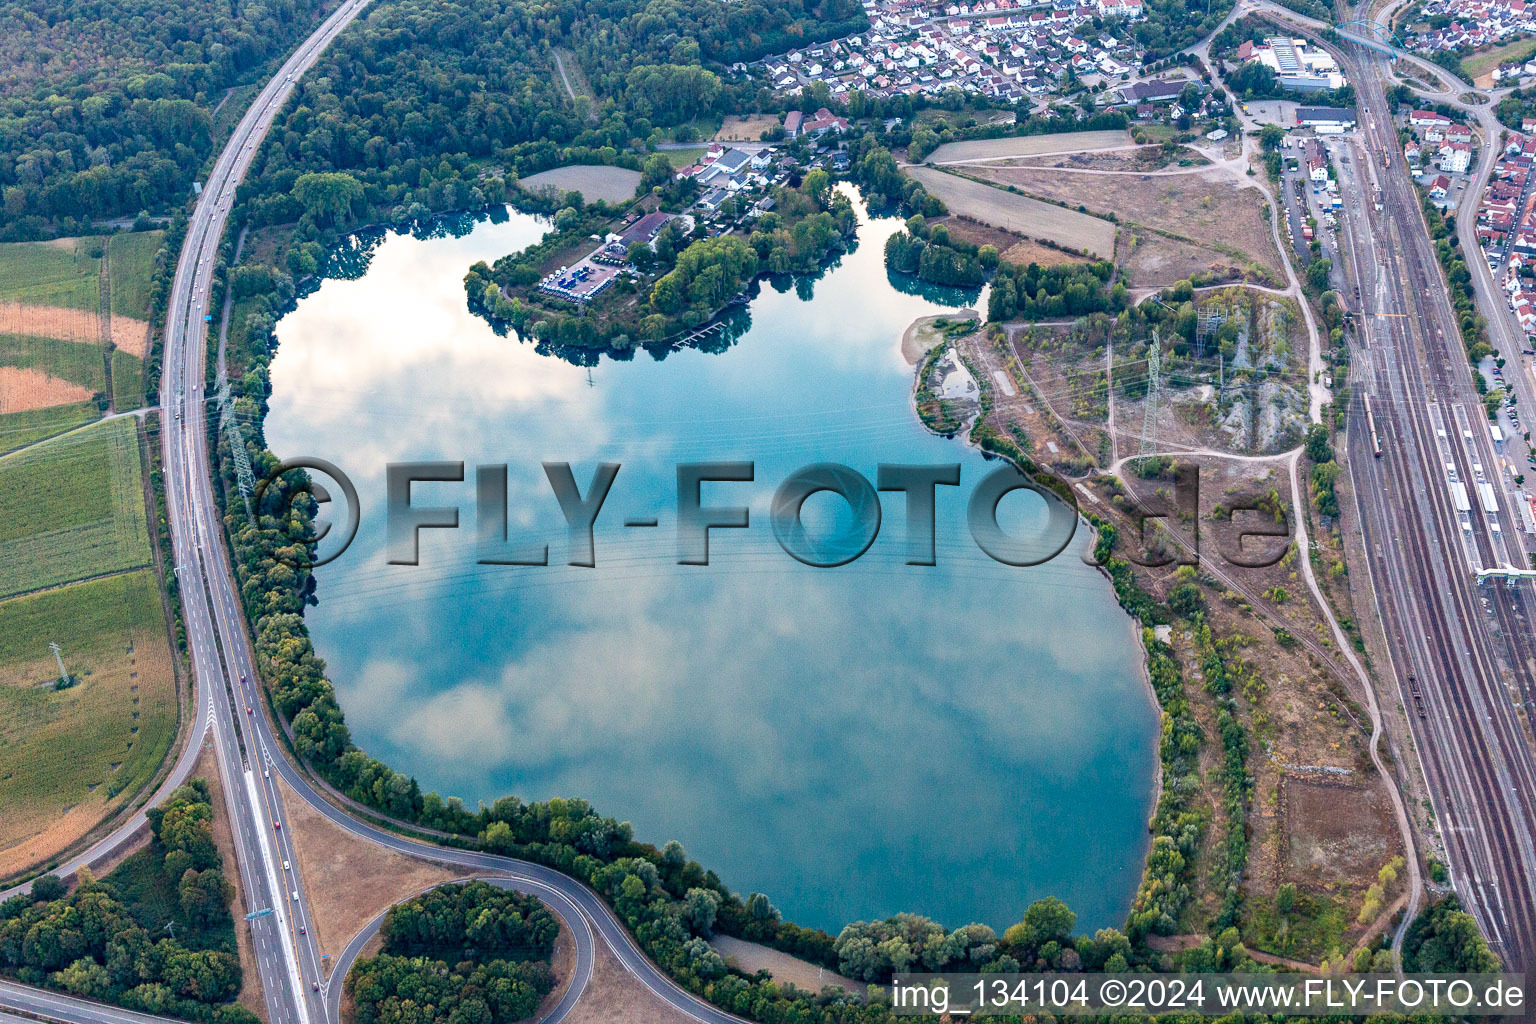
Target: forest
432 106
461 953
107 941
100 123
1033 292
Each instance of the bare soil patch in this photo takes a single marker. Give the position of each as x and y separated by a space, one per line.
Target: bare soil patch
1011 245
128 333
752 957
593 181
131 335
968 229
50 322
24 389
1337 832
350 881
1020 214
1028 145
613 994
1030 251
922 335
745 127
1156 261
1146 158
1217 214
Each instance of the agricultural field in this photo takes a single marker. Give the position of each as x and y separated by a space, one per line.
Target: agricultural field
19 429
1013 247
63 272
593 181
131 264
74 331
72 508
1027 145
1019 214
117 719
1195 206
66 361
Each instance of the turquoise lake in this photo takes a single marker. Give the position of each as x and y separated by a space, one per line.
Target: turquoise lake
956 740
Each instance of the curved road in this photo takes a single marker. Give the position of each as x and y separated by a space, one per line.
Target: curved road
558 902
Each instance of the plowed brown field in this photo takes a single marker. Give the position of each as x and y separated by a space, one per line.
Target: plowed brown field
128 333
21 390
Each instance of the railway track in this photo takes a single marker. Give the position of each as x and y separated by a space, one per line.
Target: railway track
1459 644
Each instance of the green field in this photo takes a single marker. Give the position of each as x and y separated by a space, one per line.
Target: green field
65 753
64 272
72 508
131 268
683 157
127 381
19 429
1481 63
75 362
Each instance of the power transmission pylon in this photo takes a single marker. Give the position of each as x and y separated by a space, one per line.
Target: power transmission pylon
1154 384
59 657
244 477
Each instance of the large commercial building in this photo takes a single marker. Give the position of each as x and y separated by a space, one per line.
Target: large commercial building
1338 119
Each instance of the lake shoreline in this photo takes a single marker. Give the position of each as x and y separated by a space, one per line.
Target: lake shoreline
786 320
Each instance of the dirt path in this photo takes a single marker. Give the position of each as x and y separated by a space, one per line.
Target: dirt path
104 318
571 90
564 78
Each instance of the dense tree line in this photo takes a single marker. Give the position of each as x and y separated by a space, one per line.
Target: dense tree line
477 921
106 940
1325 470
1033 292
1474 329
469 954
1444 938
930 254
390 989
108 103
1042 940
